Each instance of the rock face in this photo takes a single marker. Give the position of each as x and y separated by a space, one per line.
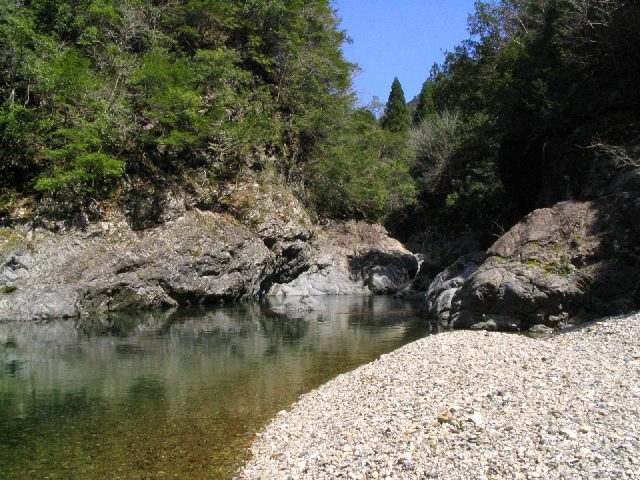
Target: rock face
355 258
573 258
281 222
200 257
447 283
261 240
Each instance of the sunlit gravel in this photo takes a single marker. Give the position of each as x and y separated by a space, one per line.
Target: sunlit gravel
471 405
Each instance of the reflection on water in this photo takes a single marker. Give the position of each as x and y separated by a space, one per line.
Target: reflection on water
173 395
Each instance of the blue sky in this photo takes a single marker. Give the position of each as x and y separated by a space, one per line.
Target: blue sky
400 38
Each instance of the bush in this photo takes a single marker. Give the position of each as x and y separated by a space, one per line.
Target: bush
435 142
89 173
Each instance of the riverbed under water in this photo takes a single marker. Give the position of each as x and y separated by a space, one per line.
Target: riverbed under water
176 394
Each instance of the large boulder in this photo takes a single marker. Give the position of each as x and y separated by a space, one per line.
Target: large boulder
575 258
352 258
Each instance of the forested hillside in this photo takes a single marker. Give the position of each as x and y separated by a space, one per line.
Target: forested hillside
101 94
540 104
104 97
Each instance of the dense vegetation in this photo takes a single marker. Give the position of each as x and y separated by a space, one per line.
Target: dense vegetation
540 104
101 95
98 93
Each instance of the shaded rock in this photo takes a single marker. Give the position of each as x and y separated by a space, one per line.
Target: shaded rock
557 262
147 205
540 330
447 283
438 250
384 271
353 258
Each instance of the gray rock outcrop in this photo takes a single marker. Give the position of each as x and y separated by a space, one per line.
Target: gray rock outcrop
259 241
202 257
353 258
279 220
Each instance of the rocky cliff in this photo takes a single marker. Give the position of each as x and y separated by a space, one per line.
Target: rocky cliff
165 250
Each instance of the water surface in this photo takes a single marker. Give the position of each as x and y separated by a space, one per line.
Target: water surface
173 395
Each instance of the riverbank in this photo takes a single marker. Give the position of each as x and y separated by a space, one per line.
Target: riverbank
471 405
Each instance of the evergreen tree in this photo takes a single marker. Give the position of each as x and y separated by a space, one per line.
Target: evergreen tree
425 106
397 117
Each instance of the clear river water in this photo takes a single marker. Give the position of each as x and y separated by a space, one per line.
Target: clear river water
176 394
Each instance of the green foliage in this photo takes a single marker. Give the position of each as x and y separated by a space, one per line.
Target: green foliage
425 106
397 117
79 167
363 172
534 87
435 142
87 172
92 89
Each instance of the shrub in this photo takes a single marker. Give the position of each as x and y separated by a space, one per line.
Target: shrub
434 143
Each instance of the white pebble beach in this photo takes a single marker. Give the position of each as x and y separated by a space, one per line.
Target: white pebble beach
470 405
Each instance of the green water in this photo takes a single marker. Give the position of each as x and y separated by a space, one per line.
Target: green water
173 395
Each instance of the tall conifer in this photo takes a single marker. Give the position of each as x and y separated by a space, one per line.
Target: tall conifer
397 117
425 106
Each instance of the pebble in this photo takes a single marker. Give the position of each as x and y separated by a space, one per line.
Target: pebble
461 405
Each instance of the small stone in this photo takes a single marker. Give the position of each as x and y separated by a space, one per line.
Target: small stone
476 419
534 421
540 329
584 428
568 433
446 417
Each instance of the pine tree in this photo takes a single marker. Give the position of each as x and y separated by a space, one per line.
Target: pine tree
397 117
425 106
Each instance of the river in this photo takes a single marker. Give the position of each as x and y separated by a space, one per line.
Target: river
176 394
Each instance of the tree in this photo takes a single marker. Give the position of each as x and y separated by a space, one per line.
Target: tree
397 118
425 106
362 172
150 88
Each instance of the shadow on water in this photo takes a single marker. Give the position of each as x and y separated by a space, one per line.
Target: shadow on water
174 394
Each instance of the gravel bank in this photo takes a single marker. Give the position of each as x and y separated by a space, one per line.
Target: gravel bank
471 405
